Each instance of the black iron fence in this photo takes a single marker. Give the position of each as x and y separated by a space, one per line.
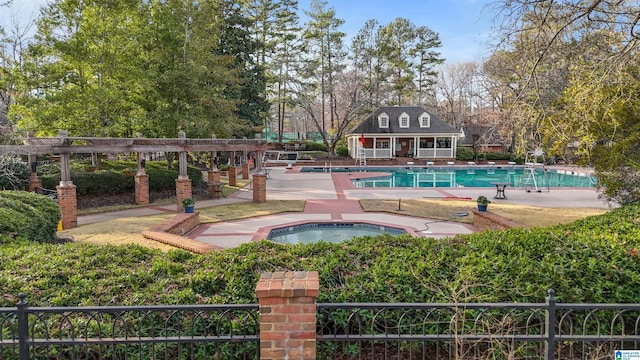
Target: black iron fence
547 330
129 332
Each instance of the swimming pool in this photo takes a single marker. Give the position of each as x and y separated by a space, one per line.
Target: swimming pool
328 232
419 177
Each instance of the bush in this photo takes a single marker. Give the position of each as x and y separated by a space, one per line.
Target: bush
464 154
496 156
14 174
342 151
28 215
116 177
591 260
315 146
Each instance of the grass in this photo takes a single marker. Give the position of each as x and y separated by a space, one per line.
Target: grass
531 216
127 230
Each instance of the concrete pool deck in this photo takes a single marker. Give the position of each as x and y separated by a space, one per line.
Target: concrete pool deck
332 197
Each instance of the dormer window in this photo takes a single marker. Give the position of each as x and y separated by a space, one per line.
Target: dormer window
403 120
383 121
425 120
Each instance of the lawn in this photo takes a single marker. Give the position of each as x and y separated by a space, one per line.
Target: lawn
128 230
531 216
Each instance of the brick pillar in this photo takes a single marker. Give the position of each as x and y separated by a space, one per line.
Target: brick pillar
259 188
34 182
68 204
142 189
288 315
183 191
245 170
213 176
233 176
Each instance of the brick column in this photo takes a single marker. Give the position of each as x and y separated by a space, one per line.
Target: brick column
142 189
34 182
259 188
213 176
183 191
68 204
288 315
233 176
245 170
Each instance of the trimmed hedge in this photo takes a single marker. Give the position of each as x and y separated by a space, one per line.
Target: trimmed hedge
465 154
116 177
592 260
28 215
315 146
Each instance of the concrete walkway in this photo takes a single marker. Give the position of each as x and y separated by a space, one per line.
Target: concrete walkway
332 197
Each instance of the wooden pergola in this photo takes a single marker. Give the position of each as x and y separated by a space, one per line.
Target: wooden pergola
64 145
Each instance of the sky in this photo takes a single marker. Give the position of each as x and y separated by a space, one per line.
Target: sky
463 25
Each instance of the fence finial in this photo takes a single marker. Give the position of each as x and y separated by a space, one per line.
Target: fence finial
23 299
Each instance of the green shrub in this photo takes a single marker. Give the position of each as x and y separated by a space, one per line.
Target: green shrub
464 154
116 177
315 146
495 156
342 151
591 260
18 172
28 215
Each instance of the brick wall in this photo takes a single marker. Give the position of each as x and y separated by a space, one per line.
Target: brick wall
486 220
171 230
288 315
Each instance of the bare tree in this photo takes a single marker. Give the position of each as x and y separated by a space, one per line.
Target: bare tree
349 103
455 89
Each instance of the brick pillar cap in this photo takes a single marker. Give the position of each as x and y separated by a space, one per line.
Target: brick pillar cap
288 284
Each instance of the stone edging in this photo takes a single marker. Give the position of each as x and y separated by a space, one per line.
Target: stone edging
172 231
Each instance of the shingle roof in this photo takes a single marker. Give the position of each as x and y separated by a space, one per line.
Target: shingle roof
370 124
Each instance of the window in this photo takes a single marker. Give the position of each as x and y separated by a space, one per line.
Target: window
383 120
403 120
443 142
426 143
382 144
425 120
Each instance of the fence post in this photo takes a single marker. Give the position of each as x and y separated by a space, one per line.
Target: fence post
23 327
288 315
550 325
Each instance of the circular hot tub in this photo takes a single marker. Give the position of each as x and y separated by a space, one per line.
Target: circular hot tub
329 232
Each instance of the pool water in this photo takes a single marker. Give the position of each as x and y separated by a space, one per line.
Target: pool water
479 177
328 232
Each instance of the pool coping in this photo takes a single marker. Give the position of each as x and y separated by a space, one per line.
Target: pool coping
263 232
